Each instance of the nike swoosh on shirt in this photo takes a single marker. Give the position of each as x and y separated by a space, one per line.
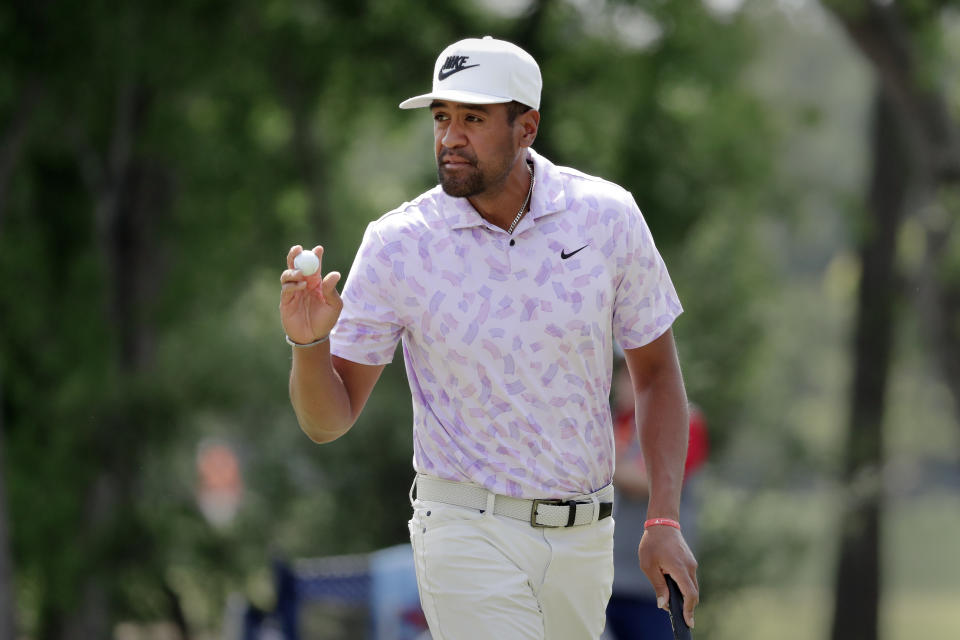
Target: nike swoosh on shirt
564 255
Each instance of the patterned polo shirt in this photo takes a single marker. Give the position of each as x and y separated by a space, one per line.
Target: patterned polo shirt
508 346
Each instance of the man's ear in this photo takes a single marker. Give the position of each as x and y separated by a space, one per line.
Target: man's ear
529 124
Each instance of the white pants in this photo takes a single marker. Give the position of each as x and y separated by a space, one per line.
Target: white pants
488 577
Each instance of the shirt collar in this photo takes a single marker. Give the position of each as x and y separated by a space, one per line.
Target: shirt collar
548 197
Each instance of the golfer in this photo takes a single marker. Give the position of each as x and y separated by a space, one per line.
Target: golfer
507 285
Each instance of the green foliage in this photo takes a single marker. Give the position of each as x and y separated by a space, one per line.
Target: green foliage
221 134
178 149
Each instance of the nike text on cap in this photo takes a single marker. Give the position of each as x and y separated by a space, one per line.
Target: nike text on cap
483 71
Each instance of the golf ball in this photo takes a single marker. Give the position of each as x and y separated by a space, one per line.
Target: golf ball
307 262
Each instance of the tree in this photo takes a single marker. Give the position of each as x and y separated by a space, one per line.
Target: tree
916 151
8 613
11 149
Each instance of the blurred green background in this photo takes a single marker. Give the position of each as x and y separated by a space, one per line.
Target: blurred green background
797 161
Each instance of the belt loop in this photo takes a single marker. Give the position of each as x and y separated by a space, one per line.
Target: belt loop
491 503
413 486
596 508
571 513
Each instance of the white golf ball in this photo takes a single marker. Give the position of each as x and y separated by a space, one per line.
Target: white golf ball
307 262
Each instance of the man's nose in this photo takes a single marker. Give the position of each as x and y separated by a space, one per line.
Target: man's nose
453 136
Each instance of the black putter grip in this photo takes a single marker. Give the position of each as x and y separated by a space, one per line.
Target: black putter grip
680 629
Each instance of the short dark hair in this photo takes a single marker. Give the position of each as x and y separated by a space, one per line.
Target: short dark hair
514 109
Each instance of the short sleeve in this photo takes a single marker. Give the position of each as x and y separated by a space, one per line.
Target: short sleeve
646 303
369 328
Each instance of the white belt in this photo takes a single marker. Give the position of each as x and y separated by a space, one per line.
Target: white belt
539 513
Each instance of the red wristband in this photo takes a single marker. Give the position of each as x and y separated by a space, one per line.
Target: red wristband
652 522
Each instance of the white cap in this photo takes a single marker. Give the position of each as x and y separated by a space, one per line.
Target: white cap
483 71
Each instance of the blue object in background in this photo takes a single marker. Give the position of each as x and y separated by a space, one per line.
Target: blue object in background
384 583
394 601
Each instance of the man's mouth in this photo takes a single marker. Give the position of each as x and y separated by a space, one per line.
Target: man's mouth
454 162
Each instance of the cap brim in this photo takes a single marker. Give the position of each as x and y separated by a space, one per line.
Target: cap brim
452 95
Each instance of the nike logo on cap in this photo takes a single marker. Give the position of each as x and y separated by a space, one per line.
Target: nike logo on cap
564 255
452 65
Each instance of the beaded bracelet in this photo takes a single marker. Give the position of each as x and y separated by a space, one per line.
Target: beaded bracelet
652 522
308 344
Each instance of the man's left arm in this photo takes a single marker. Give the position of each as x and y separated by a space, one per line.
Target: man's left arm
663 422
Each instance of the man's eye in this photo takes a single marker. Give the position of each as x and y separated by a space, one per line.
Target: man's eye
439 117
473 119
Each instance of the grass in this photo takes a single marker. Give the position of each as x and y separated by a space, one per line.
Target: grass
921 568
805 614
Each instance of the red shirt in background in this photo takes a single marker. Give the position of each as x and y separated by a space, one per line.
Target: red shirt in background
625 437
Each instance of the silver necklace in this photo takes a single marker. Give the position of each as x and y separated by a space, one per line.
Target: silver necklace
525 202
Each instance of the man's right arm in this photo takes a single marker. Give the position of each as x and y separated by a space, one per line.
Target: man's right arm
328 392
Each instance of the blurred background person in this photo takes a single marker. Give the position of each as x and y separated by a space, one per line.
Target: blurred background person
632 612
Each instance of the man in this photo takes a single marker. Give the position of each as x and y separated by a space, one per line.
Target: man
507 284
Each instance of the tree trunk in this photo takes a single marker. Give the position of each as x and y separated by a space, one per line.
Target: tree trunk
14 138
858 585
887 37
131 198
177 614
10 149
8 608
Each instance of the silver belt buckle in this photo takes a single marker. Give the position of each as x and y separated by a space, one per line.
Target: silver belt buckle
554 502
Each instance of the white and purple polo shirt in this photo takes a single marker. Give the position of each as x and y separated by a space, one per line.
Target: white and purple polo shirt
508 346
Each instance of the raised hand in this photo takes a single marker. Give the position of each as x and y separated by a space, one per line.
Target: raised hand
309 305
